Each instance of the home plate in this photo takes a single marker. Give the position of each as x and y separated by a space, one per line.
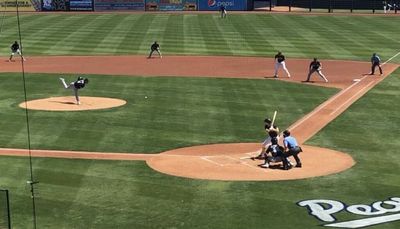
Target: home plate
356 80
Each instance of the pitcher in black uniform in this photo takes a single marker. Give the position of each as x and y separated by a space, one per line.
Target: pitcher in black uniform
316 66
280 62
76 85
155 47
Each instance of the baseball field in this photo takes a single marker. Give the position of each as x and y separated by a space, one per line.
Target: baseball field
208 89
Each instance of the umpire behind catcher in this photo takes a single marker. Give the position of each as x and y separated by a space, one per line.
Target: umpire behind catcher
292 148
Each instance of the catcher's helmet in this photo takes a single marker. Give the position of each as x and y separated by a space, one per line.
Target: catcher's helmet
274 141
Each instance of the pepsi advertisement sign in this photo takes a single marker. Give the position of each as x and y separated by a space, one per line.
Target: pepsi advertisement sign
229 4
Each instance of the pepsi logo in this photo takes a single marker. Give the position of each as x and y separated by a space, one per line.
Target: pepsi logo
212 3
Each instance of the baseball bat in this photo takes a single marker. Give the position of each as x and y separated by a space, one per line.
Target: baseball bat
273 119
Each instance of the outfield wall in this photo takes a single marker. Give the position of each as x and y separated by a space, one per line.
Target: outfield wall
144 5
23 5
188 5
338 4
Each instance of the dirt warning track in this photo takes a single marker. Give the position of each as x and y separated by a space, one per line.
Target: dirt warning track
221 161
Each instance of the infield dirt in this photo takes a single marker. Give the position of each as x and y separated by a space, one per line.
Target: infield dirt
222 161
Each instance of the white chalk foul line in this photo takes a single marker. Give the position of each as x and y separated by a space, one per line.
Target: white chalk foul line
350 99
391 58
323 105
214 162
244 163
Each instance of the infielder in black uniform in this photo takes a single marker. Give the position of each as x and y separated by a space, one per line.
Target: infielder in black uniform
15 49
155 47
376 62
76 85
280 62
315 66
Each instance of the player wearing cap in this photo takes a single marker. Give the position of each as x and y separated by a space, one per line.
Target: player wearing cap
76 85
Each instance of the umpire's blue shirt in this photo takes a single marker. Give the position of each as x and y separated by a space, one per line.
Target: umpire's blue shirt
375 59
290 142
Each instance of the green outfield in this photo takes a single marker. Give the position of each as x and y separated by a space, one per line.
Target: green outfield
192 111
328 37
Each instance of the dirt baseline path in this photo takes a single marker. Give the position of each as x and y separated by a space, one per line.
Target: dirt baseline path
221 161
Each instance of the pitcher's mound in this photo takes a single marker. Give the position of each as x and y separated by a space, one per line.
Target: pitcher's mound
69 103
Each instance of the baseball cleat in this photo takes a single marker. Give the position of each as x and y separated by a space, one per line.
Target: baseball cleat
266 165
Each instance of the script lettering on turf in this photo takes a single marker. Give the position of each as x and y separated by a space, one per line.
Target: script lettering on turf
379 212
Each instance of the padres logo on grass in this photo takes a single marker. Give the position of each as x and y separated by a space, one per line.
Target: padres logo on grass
376 213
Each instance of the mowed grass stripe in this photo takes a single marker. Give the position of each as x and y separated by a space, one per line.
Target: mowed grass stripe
174 32
332 38
132 41
243 42
80 39
212 36
177 112
154 32
110 40
296 35
51 31
192 34
283 39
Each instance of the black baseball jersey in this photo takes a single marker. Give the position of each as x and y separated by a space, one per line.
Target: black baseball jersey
15 47
155 46
280 58
273 133
315 64
79 84
275 150
267 126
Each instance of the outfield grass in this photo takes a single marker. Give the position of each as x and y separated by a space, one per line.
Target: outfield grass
302 36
